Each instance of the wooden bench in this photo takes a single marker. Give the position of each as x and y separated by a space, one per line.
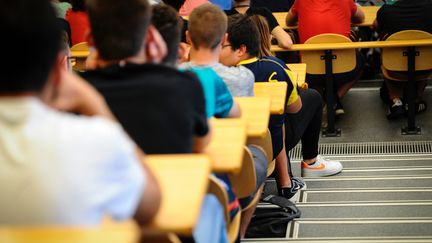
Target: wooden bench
277 92
256 113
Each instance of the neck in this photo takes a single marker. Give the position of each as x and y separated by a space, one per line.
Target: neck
204 56
137 59
242 3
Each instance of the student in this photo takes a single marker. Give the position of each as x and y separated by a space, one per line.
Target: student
58 168
403 15
161 108
303 111
60 8
140 94
316 17
274 5
243 7
207 43
169 24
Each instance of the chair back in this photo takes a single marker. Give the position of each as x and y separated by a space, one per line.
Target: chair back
244 182
266 144
79 62
345 60
395 58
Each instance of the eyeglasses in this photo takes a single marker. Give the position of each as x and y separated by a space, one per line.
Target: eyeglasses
226 45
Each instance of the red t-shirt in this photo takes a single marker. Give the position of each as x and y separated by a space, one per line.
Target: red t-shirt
323 16
79 25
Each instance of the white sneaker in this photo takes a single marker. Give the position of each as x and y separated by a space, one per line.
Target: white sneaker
321 167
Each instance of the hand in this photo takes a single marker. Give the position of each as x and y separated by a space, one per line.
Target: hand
73 94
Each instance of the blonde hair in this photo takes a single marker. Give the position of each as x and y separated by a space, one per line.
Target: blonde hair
263 29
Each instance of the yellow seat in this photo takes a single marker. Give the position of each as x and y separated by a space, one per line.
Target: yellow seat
397 59
329 62
266 144
244 182
79 54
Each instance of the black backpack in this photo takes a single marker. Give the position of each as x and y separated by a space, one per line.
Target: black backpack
272 222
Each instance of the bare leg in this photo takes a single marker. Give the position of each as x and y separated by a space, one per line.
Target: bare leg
246 215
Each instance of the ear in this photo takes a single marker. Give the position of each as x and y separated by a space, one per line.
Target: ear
242 51
155 47
188 39
50 90
183 52
224 39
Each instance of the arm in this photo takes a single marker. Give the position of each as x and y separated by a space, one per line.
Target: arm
235 111
358 16
201 142
284 40
150 199
291 18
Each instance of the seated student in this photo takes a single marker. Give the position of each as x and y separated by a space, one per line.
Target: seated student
58 168
303 111
160 107
207 43
140 94
243 7
324 16
60 8
403 15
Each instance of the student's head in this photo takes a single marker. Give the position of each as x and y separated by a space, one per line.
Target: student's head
30 41
78 5
169 24
243 40
265 35
207 27
118 27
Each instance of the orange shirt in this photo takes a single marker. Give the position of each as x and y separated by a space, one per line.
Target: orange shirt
323 16
79 25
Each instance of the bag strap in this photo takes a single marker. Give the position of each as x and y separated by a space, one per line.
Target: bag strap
285 204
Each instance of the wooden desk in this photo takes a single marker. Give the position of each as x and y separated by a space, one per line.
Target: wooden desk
277 92
183 180
226 146
300 70
256 113
354 45
112 234
80 54
369 11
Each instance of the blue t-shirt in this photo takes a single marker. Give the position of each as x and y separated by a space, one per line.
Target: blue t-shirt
223 4
217 96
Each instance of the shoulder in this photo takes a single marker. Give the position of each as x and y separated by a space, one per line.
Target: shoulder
273 62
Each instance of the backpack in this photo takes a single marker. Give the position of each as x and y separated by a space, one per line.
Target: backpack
272 222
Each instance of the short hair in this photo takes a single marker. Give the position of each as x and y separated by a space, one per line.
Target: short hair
169 24
118 26
207 26
265 35
176 4
78 5
30 41
243 31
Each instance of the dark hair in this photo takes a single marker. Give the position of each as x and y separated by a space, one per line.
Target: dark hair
243 31
78 5
25 66
176 4
207 26
118 26
169 25
265 35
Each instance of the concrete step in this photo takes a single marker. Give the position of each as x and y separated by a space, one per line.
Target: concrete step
394 182
352 229
333 240
385 171
384 195
362 210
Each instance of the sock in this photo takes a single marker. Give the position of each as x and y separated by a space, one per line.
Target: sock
312 163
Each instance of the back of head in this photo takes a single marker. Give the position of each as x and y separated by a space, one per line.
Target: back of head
243 31
207 26
30 43
118 26
169 24
176 4
265 35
